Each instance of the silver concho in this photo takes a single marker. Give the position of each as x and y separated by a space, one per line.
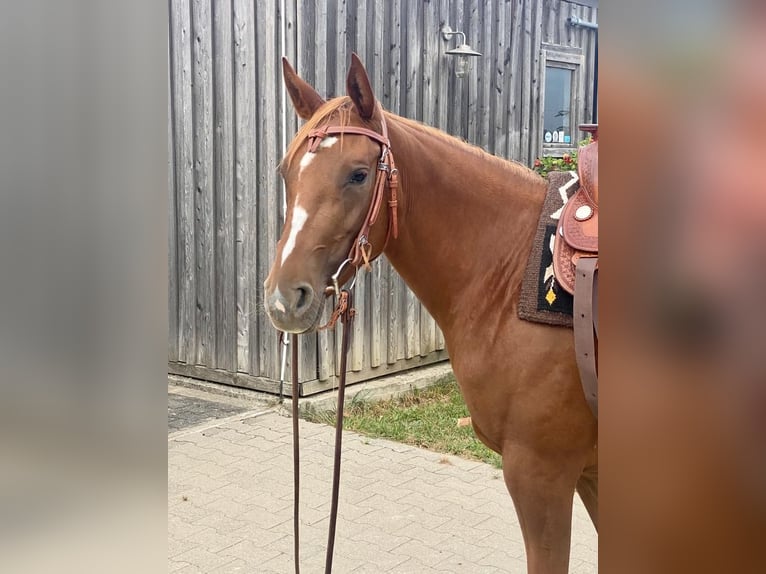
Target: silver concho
583 213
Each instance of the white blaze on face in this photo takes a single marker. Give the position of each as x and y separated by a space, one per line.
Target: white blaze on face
328 142
300 215
305 161
308 157
299 218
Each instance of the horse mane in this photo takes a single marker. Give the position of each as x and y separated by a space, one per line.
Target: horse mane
518 168
343 106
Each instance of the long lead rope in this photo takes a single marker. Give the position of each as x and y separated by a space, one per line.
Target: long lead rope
294 392
346 318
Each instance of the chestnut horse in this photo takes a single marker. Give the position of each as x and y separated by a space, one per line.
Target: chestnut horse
466 221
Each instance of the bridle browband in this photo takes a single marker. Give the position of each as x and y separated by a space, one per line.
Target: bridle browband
361 249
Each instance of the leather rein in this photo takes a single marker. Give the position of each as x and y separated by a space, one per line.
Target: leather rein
359 255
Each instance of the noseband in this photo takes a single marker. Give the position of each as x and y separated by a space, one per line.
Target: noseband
361 249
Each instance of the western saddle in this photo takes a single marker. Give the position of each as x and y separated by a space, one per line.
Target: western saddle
575 264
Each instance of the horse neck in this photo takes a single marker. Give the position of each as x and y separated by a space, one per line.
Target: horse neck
466 224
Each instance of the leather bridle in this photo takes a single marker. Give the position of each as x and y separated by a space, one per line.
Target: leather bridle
359 254
387 176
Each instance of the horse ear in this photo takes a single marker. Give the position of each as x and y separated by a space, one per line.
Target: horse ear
305 98
359 89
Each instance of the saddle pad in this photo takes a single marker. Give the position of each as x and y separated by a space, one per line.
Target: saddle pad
542 300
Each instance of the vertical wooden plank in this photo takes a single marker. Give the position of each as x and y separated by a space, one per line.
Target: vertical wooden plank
356 357
330 49
589 49
268 200
526 94
396 286
376 317
288 37
396 325
443 71
291 30
429 77
580 101
306 30
454 19
317 350
561 22
541 73
184 176
359 13
549 21
508 79
347 17
202 92
342 60
536 129
395 55
412 103
573 36
516 80
411 319
173 285
485 83
245 187
443 101
339 56
412 40
223 166
375 30
370 38
320 53
472 84
499 93
326 351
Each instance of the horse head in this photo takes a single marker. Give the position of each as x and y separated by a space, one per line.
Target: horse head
331 174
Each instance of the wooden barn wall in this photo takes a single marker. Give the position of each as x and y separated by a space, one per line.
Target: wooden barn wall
229 125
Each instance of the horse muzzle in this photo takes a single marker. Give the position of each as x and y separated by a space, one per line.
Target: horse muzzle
294 309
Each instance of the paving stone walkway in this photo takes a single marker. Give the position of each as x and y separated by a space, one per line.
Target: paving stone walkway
403 510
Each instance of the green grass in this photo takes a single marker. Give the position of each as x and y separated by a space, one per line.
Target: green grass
426 418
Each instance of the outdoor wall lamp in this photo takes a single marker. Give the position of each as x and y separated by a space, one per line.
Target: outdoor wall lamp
464 52
576 21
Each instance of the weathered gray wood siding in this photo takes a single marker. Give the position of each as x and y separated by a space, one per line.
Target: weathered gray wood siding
230 122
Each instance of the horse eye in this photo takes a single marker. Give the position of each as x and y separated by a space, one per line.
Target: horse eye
358 177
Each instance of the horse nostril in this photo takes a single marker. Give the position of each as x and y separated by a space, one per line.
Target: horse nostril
305 296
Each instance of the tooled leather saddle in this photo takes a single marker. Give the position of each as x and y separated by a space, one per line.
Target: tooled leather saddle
575 263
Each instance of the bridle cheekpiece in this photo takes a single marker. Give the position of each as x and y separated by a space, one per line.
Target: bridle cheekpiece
387 176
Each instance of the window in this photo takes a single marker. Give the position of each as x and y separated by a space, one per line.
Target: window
562 99
557 115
